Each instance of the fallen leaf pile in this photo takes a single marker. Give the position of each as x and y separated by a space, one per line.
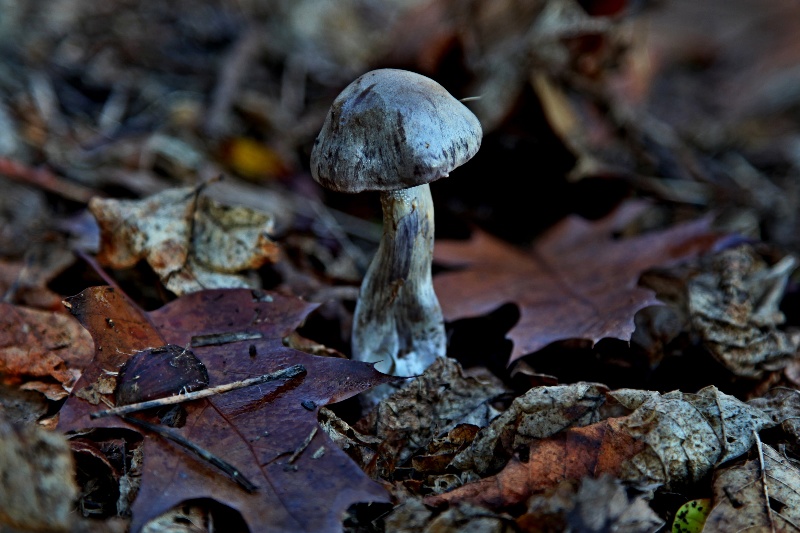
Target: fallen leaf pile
269 431
616 266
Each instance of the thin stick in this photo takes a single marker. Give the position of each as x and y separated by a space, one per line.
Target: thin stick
44 179
303 446
286 373
204 454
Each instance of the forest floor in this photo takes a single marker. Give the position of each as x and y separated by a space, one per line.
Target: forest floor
616 268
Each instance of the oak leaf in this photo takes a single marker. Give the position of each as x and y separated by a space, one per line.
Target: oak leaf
576 283
269 432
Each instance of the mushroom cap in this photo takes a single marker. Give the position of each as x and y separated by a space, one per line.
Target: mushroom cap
393 129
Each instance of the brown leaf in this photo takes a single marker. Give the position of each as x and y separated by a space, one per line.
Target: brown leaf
42 347
191 241
667 440
762 494
576 283
236 334
600 448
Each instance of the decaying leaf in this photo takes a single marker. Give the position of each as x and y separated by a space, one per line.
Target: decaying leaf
45 349
191 241
427 407
686 434
667 440
734 307
268 432
691 516
762 494
38 488
783 405
537 414
589 505
601 448
576 283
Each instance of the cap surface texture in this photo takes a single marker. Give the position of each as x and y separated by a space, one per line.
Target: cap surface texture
393 129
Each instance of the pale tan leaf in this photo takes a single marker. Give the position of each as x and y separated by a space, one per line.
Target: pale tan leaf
762 494
189 240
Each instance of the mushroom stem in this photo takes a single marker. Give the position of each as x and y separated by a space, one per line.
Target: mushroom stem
398 322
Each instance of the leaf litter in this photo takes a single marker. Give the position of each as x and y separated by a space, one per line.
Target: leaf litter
605 103
247 427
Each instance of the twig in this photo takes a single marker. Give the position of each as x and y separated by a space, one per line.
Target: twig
286 373
44 179
204 454
234 68
303 446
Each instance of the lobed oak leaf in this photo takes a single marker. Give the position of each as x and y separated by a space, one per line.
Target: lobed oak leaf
268 432
576 283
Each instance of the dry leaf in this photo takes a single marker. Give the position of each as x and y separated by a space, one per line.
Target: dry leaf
190 241
735 308
686 434
426 407
601 448
42 350
537 414
414 517
667 440
762 494
577 282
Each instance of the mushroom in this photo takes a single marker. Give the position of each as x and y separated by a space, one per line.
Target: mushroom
395 131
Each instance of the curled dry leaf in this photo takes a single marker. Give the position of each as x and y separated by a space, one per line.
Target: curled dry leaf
667 440
576 283
38 489
537 414
735 308
686 434
783 405
44 350
762 494
427 407
192 242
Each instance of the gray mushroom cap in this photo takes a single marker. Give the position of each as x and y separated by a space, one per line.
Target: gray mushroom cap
393 129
